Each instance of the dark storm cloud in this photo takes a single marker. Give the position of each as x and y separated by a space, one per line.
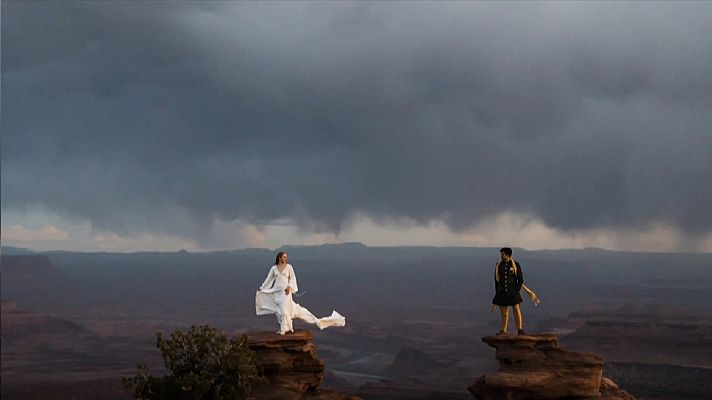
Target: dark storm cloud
163 116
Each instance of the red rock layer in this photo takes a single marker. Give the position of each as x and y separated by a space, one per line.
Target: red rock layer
535 367
291 366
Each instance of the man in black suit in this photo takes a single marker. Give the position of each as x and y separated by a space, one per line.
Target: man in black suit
508 281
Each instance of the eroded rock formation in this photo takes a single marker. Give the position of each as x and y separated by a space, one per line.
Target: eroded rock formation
535 367
291 366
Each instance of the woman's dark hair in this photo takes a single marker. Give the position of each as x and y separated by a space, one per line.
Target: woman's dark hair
276 260
506 250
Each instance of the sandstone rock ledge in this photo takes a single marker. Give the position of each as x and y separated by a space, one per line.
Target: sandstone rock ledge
291 366
535 367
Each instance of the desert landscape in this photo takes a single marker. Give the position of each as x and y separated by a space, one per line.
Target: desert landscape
156 155
74 323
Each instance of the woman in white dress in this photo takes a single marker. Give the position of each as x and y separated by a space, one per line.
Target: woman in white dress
275 297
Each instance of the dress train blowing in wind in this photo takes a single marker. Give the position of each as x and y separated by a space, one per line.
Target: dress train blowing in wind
275 297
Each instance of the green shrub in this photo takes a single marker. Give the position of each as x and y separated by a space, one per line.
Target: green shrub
203 364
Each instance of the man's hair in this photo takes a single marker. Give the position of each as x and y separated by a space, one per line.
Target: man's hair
506 250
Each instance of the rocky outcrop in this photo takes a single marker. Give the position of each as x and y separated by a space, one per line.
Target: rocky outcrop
291 366
535 367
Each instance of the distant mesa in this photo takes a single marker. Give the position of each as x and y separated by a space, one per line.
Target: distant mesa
353 245
29 267
20 323
34 282
327 247
535 367
633 333
15 251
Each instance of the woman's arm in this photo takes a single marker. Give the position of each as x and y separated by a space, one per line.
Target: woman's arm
292 283
269 280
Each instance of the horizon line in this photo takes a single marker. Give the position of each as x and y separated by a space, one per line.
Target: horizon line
4 248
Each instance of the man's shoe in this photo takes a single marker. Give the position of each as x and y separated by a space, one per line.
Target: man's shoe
520 332
501 333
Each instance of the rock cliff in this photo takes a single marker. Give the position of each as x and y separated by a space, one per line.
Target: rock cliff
291 366
535 367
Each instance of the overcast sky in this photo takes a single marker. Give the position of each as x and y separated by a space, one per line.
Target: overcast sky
138 126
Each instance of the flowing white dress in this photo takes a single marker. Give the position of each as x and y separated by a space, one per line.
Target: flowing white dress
271 299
